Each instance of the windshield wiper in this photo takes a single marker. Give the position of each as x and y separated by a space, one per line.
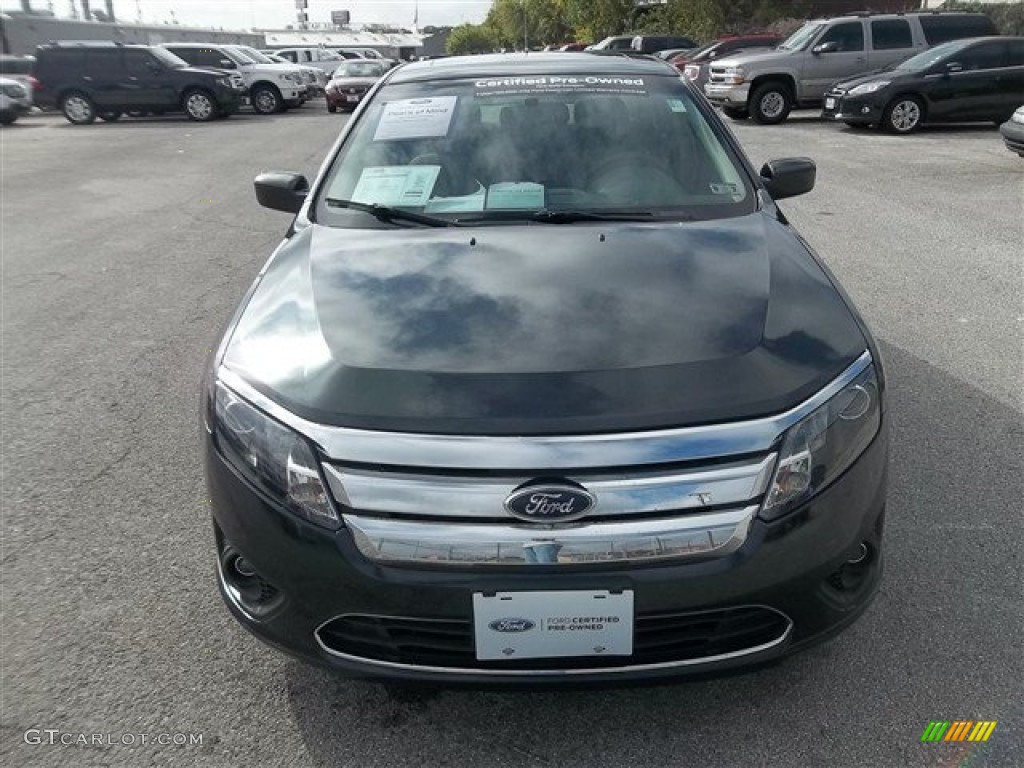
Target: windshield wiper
390 215
555 216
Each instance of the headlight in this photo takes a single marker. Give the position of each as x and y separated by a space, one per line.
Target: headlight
290 77
818 449
866 88
275 459
225 81
734 75
15 91
1018 116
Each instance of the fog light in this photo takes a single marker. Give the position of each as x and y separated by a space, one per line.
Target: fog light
250 593
865 110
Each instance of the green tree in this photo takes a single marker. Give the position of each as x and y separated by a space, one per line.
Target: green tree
594 20
471 38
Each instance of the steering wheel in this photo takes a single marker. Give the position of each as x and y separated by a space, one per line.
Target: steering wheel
634 179
448 184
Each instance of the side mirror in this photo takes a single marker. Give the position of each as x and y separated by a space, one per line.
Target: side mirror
227 64
789 177
830 47
281 191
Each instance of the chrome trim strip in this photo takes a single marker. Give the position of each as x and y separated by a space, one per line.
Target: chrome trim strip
783 638
484 497
548 453
517 545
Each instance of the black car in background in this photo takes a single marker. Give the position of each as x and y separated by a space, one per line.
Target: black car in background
86 80
972 80
541 387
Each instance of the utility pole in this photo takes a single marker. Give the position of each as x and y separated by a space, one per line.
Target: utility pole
526 36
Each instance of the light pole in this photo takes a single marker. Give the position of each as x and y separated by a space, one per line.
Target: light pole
526 36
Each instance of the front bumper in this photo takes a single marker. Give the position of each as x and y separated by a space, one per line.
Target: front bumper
726 94
846 109
1013 136
787 568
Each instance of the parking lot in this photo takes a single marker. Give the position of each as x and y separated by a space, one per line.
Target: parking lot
126 246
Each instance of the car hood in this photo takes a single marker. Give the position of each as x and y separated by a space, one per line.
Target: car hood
543 329
744 59
348 82
870 77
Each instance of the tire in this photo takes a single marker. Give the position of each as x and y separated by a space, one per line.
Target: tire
78 109
199 105
903 115
111 116
736 113
332 108
266 100
770 103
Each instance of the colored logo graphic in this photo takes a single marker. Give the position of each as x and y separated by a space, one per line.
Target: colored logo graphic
958 730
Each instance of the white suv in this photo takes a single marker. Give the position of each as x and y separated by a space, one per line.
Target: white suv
272 87
312 56
14 100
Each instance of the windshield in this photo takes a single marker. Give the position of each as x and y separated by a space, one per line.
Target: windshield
511 148
359 69
802 37
167 58
931 57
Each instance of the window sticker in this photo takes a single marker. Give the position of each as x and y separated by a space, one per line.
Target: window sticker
473 203
515 195
416 118
676 105
405 185
516 86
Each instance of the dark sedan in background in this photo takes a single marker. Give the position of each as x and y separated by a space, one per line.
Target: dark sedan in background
350 83
973 80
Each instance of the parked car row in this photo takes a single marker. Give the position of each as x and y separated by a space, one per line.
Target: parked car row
896 71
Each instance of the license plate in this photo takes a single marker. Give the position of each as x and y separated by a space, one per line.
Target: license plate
830 103
538 625
351 98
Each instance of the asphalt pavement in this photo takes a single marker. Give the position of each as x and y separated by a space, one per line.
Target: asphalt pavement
125 247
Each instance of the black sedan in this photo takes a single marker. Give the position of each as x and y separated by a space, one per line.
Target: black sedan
542 388
973 80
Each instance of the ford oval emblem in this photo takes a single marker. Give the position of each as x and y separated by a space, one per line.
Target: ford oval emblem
511 625
553 503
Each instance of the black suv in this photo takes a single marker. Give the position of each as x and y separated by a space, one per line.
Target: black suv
105 80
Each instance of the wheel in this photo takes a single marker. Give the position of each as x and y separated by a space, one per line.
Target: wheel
110 116
903 115
266 100
736 113
332 108
78 109
200 106
770 103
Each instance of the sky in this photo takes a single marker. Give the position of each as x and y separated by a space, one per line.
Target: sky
244 14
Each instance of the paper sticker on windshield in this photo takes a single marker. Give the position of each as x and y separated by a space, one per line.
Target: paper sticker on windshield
515 196
461 204
416 118
507 86
402 185
676 105
724 188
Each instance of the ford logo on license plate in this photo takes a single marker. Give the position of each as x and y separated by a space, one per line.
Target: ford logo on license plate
549 503
511 625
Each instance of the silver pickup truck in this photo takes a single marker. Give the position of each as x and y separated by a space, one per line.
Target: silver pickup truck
767 85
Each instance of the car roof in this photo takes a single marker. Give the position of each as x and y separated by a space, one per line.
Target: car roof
519 64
